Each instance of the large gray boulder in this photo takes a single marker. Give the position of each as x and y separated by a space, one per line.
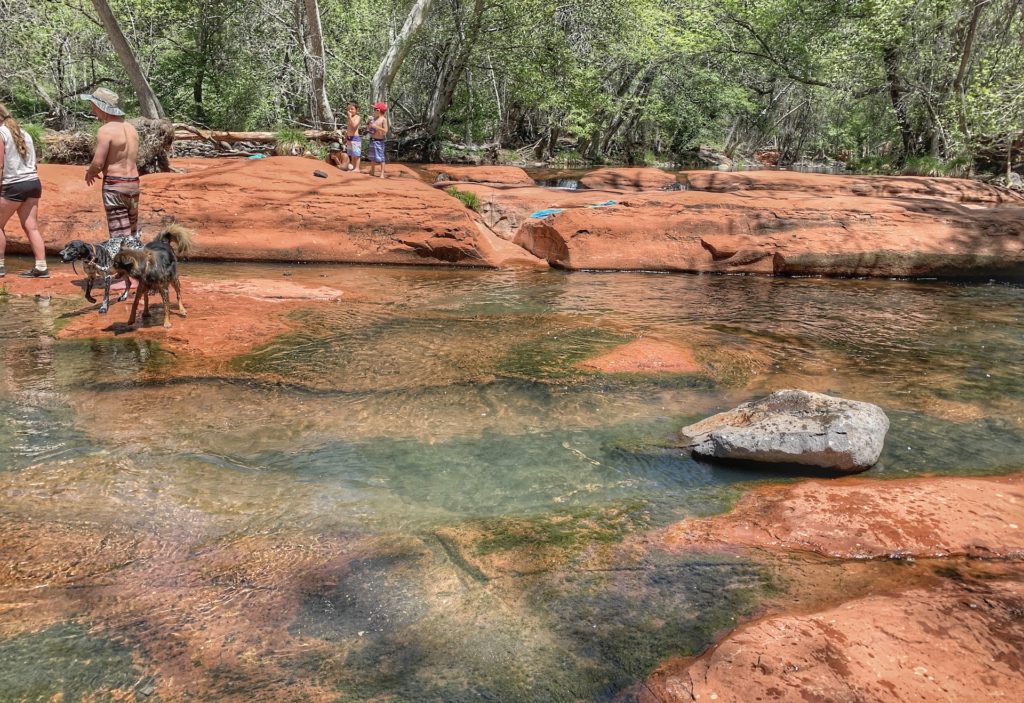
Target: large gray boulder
794 427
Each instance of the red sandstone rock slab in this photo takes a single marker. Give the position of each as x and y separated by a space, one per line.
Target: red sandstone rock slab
275 210
224 319
864 519
505 175
401 171
938 645
645 356
503 253
628 179
781 232
505 210
955 190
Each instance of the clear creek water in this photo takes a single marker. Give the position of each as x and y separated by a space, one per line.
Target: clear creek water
420 496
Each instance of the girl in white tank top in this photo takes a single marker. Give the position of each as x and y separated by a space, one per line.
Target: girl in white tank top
20 190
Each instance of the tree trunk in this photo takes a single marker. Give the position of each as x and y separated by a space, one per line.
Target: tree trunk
399 49
313 44
448 80
635 93
897 96
965 61
148 102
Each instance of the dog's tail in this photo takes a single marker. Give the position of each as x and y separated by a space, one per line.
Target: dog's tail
181 237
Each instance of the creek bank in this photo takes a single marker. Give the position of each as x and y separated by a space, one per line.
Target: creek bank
951 190
780 223
274 209
628 179
768 232
501 175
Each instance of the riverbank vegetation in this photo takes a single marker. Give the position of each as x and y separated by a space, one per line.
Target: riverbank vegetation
885 85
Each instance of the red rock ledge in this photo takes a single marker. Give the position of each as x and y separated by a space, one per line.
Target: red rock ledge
276 210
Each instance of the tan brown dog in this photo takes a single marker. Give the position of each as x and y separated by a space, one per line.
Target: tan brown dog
155 267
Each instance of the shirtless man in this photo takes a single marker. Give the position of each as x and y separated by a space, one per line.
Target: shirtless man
117 150
353 142
378 128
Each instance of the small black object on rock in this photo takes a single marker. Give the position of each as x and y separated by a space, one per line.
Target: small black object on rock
320 174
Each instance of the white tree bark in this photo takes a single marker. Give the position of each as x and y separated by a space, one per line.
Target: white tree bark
148 101
316 66
398 50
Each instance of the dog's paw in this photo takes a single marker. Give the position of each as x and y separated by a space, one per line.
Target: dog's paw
103 309
167 325
123 297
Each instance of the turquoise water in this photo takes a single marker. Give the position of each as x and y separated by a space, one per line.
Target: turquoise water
420 495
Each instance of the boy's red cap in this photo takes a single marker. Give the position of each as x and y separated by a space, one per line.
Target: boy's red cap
383 107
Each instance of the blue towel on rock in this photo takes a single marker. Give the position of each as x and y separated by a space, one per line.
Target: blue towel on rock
541 214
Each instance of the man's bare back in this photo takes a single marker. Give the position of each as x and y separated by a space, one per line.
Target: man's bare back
117 151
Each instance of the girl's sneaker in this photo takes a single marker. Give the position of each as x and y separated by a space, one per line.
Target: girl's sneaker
34 273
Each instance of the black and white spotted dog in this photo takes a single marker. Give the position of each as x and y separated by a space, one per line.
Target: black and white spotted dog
97 262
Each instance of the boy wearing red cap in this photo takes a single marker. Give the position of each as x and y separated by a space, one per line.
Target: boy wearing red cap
378 128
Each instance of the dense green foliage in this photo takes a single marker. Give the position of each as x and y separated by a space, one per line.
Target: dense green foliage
636 80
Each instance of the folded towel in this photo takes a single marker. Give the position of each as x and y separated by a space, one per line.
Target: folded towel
606 203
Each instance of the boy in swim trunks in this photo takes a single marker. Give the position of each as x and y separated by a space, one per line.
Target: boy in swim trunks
353 142
117 151
378 128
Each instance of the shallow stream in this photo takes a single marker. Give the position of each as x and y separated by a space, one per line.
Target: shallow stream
420 495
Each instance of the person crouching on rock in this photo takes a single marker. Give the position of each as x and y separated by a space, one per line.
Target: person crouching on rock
378 131
20 190
336 154
117 152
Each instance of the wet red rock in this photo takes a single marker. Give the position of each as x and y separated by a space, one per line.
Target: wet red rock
224 319
628 179
505 175
954 190
864 518
946 644
645 356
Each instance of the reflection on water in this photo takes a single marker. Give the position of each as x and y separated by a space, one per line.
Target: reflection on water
420 495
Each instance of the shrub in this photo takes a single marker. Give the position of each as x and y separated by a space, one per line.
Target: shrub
468 199
289 141
874 165
923 166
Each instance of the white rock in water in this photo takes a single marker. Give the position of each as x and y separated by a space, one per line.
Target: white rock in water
794 427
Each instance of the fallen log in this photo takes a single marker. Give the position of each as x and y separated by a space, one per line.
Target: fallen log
185 133
155 140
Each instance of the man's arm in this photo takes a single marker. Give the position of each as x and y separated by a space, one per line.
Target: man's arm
99 160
